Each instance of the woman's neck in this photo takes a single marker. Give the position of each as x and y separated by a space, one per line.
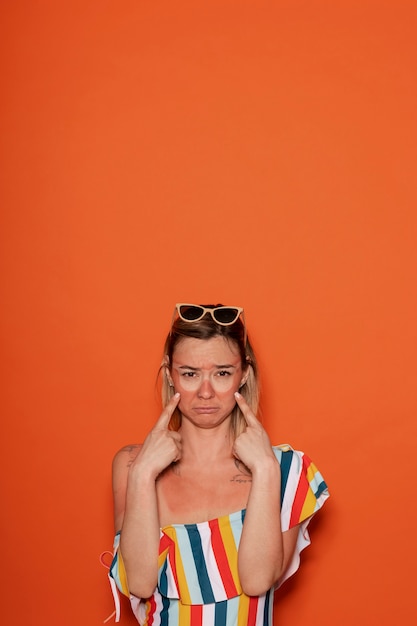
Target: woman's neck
200 445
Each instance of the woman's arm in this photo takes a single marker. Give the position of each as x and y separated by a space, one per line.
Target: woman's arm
264 550
135 502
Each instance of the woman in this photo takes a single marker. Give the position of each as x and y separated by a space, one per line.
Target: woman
210 518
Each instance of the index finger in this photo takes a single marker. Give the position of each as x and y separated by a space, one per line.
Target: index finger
251 419
163 420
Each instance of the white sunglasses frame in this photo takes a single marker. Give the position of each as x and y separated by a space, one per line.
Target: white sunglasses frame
239 309
211 311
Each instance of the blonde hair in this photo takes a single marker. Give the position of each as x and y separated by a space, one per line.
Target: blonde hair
205 329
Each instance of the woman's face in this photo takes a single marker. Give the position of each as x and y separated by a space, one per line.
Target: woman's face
206 373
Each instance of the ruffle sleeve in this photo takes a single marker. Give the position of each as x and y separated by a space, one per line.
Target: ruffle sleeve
117 569
303 493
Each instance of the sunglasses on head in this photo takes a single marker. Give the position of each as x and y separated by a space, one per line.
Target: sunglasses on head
223 315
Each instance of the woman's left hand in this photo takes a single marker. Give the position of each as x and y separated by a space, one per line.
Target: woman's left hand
252 447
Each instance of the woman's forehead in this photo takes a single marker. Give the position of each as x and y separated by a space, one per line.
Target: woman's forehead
216 350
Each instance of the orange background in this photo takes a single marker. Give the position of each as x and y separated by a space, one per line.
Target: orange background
259 154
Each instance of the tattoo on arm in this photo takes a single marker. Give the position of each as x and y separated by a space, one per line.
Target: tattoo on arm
132 452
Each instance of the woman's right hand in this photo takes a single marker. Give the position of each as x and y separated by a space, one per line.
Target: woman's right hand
162 446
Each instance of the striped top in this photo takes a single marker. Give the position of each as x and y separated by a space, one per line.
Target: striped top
198 582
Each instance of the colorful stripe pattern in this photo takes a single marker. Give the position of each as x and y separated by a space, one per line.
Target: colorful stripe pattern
198 582
117 569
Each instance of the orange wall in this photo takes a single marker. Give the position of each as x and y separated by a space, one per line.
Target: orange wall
265 156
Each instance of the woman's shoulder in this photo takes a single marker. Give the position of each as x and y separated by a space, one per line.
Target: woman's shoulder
125 456
293 460
285 449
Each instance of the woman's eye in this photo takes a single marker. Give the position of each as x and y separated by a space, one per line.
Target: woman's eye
188 374
224 373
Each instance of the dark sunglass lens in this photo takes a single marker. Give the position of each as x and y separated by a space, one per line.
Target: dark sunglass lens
226 315
191 313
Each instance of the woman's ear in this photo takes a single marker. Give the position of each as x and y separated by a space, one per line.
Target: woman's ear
244 378
165 364
246 372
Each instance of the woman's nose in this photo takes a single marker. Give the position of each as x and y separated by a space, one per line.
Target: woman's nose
205 390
